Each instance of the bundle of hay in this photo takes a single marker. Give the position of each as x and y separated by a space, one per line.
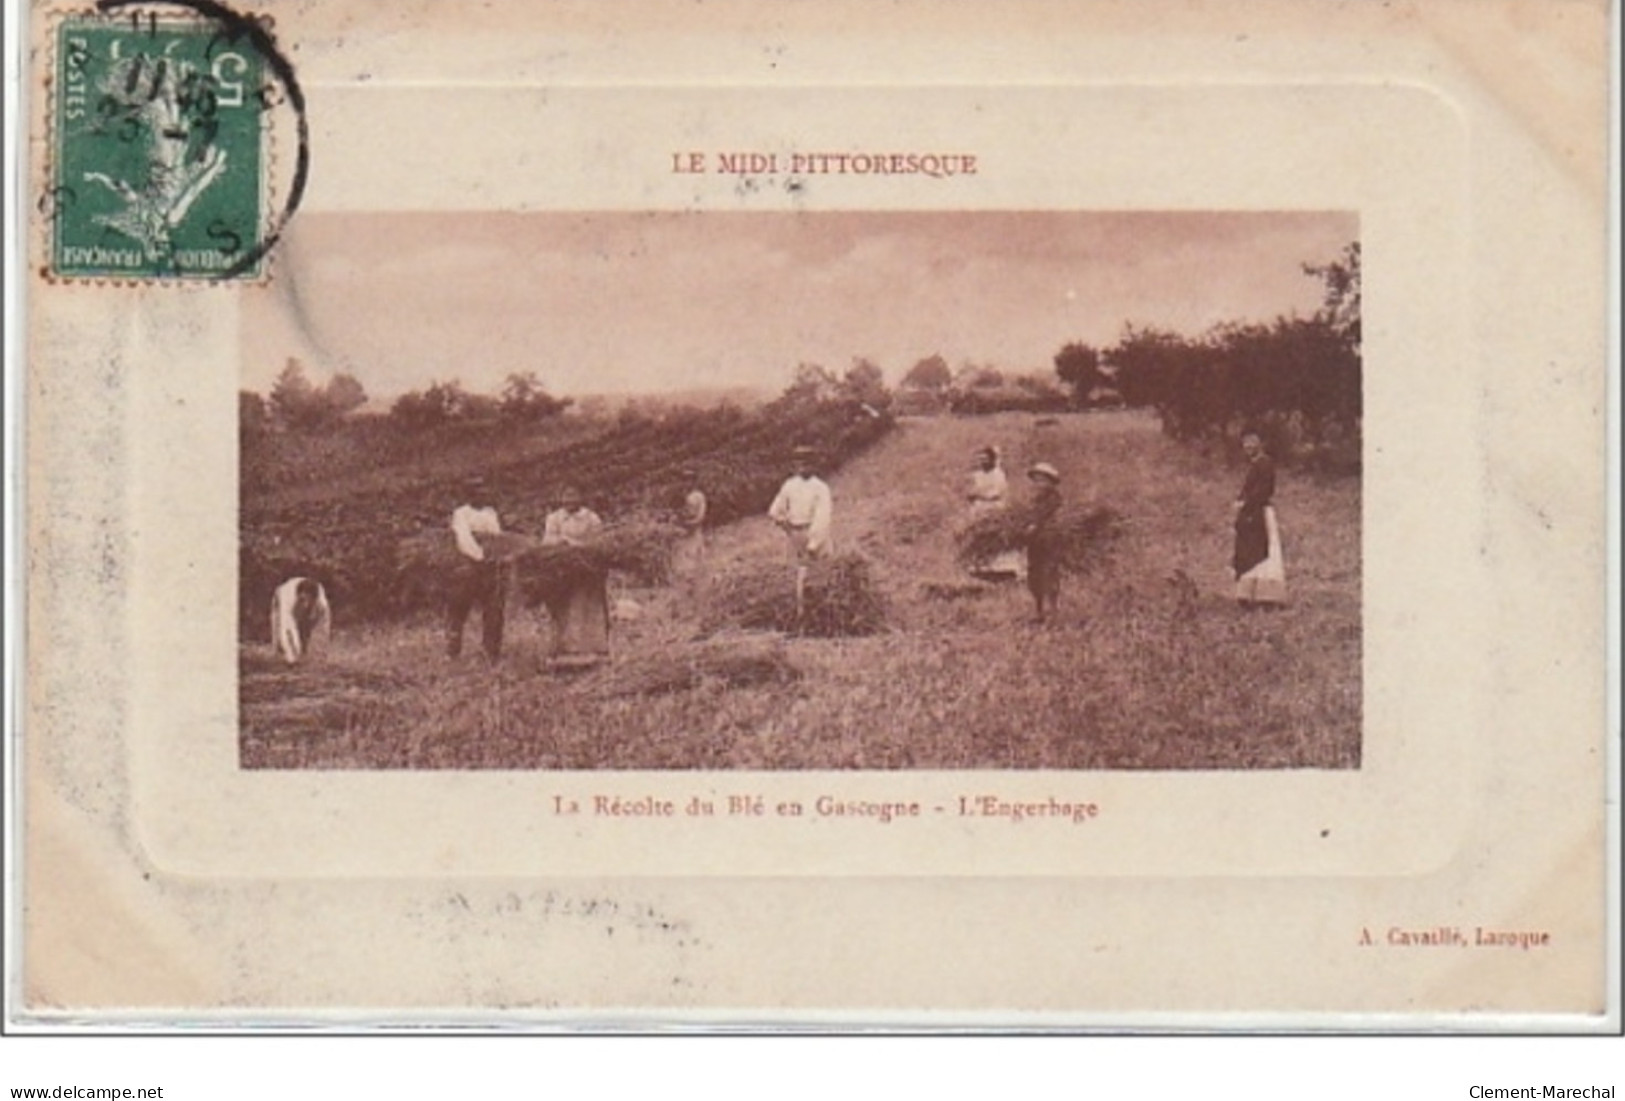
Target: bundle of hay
642 550
436 548
1082 534
424 559
731 663
842 600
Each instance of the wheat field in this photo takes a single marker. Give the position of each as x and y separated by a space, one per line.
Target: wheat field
1149 666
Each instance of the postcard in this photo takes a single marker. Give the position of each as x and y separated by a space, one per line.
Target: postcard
557 513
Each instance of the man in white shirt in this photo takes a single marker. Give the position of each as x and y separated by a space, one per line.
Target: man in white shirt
477 517
301 619
802 510
475 580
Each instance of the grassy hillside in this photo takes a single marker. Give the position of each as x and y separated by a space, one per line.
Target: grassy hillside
335 506
1140 672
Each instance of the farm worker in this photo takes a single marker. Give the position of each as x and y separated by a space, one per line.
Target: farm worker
475 579
695 506
572 523
694 511
802 510
579 607
301 619
989 493
1257 562
1043 541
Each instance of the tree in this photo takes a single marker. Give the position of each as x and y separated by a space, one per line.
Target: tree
1336 391
865 382
930 373
298 404
1149 366
344 393
525 398
594 408
1340 306
253 430
1041 387
1078 365
812 384
974 376
441 403
253 418
294 401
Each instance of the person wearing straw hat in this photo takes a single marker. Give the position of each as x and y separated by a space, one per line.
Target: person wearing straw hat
580 609
476 579
803 510
1043 547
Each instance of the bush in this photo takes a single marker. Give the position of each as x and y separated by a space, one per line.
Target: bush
524 398
442 403
931 374
296 403
1300 378
1078 365
1023 397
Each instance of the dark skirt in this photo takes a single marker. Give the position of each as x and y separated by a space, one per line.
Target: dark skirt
1252 540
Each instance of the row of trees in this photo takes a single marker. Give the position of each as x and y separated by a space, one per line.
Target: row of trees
1302 372
1306 370
522 398
863 382
932 386
296 404
1303 369
933 375
1292 369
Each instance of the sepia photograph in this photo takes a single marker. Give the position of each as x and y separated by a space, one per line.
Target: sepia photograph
778 491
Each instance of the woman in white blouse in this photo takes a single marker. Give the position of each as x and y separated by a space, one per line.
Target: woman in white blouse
990 492
579 609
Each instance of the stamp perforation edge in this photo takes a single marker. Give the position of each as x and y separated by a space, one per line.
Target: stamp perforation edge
44 181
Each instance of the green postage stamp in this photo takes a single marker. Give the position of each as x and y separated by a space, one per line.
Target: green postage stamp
159 144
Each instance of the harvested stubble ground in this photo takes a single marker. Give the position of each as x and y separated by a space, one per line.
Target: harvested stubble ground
1135 672
955 590
722 662
841 600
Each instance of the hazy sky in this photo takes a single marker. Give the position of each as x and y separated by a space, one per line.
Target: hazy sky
615 302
